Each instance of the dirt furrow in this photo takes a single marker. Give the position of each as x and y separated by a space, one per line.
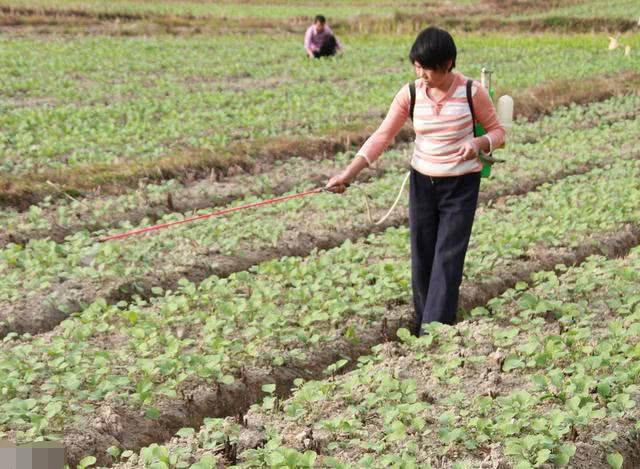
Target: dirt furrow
188 199
127 428
589 455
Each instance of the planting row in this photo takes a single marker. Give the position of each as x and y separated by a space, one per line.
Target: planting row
43 281
57 219
293 12
619 9
68 112
61 217
543 375
278 316
132 10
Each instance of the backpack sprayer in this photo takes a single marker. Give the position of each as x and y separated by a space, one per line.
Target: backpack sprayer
504 110
505 117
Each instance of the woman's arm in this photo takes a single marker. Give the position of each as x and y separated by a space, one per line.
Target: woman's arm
485 114
378 141
307 42
389 128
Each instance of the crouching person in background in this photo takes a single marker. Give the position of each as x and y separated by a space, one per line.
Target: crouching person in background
319 40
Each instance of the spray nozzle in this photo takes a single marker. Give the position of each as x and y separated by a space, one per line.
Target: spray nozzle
485 78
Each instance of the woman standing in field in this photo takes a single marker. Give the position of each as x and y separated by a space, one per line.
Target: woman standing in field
445 170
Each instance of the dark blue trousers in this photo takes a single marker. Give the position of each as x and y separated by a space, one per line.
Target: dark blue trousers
441 212
329 47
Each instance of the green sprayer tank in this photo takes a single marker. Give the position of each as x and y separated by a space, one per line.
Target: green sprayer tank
485 79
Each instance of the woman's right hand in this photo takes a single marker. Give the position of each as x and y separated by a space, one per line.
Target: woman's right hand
340 181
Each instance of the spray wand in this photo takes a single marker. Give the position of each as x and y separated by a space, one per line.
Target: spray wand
212 214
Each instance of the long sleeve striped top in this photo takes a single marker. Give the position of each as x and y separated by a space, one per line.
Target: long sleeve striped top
442 126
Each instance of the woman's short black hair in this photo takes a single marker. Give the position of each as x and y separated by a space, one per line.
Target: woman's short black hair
320 19
433 48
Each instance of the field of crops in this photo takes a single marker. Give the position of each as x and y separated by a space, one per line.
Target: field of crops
70 124
545 373
279 336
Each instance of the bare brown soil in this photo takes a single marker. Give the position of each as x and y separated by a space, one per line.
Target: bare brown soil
590 455
126 428
12 11
17 102
544 98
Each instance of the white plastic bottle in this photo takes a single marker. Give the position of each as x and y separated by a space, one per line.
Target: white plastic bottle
505 111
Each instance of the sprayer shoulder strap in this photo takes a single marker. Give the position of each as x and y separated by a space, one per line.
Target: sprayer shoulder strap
470 101
412 93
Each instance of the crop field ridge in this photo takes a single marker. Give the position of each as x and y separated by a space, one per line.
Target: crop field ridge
44 317
154 201
127 428
77 13
195 196
550 24
116 178
22 191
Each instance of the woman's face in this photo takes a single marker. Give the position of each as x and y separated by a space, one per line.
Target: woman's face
432 78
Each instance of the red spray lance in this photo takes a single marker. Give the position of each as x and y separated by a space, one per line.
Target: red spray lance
210 215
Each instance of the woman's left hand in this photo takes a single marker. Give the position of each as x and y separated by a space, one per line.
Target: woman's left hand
468 151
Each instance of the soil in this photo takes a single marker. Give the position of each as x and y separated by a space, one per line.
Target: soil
126 428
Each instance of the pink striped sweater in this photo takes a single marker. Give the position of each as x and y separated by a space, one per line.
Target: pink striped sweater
442 126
